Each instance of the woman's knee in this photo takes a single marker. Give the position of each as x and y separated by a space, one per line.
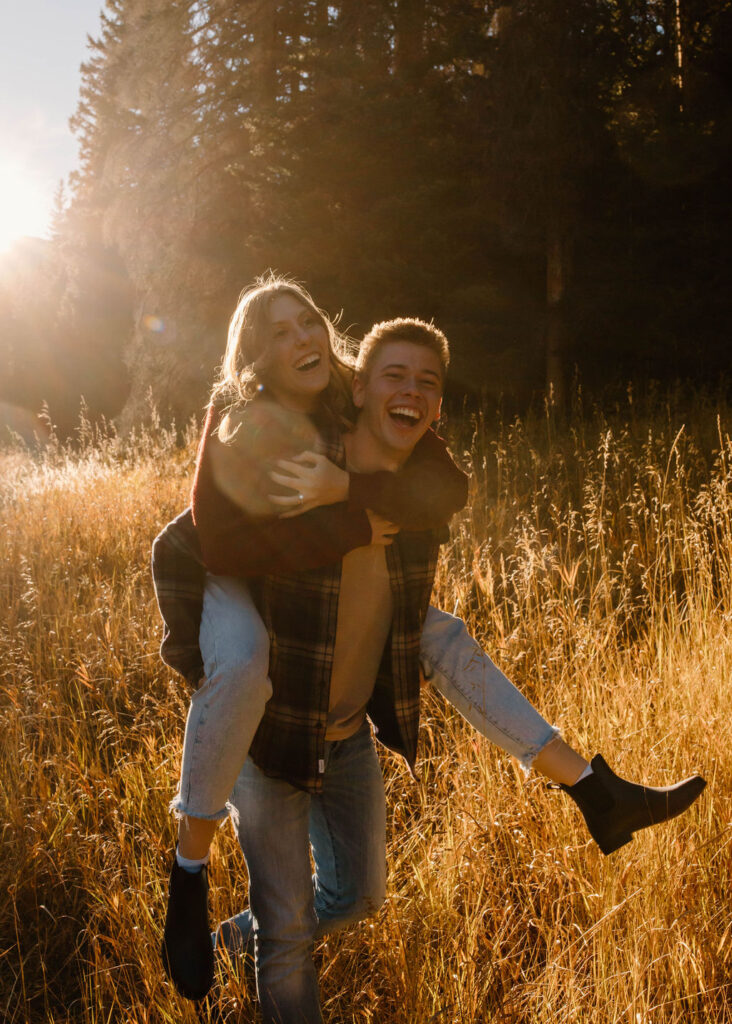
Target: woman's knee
245 660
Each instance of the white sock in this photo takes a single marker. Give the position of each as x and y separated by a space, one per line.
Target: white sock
192 865
585 773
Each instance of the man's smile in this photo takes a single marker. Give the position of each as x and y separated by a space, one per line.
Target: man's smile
405 415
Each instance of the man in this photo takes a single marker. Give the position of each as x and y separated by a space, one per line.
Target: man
346 645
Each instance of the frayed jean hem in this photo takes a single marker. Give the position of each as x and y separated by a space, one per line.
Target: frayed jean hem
179 810
527 760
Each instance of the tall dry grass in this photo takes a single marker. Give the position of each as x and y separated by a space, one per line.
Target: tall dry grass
593 563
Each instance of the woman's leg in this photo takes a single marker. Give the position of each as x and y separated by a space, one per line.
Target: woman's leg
462 672
223 716
613 808
224 712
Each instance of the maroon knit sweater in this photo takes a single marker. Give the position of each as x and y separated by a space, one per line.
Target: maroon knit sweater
422 495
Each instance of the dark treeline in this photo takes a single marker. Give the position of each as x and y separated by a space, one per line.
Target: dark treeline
549 180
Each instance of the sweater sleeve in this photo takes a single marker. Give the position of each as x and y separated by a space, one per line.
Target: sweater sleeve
236 543
423 495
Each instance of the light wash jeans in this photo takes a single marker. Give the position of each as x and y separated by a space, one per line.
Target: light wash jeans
226 710
345 825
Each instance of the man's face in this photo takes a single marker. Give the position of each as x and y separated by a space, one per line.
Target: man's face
400 398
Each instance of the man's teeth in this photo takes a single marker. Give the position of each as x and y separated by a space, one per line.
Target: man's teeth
405 413
308 362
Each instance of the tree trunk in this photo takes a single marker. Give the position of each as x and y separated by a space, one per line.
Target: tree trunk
410 19
264 66
558 253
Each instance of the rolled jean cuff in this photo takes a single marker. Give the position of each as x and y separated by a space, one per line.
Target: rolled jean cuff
178 806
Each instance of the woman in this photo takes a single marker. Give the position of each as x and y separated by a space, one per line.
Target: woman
284 382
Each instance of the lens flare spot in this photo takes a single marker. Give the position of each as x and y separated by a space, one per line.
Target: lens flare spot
154 324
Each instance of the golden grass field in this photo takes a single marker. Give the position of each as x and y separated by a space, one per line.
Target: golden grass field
594 563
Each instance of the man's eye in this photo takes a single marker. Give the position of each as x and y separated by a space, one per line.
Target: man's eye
393 376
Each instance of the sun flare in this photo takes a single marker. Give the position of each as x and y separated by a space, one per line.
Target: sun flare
24 204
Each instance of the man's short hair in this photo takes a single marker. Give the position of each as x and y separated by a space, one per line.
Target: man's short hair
406 328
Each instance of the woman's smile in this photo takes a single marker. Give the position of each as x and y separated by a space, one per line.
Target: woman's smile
298 369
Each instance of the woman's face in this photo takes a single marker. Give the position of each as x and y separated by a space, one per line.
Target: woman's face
298 368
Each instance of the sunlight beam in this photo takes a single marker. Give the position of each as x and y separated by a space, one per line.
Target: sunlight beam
25 204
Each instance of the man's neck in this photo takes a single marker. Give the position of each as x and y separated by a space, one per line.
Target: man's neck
365 455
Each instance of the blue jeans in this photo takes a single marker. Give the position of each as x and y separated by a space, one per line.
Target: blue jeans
227 708
345 826
457 667
229 703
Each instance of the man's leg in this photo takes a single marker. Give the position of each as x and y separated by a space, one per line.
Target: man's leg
348 834
273 833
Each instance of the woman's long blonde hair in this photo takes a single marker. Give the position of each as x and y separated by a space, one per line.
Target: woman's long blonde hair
244 367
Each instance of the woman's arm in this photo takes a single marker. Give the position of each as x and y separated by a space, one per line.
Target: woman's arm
423 495
236 543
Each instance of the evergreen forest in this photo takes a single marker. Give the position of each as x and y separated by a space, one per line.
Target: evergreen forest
547 179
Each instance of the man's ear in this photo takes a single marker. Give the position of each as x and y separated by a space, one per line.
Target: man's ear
438 413
358 387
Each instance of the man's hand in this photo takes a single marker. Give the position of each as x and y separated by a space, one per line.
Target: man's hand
314 480
382 531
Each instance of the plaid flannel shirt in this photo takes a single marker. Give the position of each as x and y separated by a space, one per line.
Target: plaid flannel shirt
300 612
179 576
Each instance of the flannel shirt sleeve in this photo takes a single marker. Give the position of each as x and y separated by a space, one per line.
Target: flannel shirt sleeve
423 495
179 578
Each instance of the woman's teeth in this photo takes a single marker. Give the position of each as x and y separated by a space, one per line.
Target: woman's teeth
308 363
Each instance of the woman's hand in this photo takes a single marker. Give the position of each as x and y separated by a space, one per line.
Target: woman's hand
382 531
314 480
